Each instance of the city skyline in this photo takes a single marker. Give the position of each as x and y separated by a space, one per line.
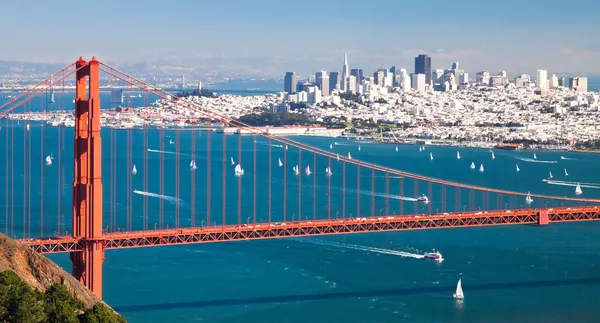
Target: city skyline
272 37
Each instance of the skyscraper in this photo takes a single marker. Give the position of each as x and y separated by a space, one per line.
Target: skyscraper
541 79
322 81
345 74
334 80
423 66
358 73
289 82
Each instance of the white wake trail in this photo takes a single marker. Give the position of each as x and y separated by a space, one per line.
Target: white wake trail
573 184
530 160
165 152
363 248
171 199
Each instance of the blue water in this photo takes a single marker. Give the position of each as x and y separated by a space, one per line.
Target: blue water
520 273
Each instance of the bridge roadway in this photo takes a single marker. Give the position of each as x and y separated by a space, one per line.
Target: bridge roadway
163 237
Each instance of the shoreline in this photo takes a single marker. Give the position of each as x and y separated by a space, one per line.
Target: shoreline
333 134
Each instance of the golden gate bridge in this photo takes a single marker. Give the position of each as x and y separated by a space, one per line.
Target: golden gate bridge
90 233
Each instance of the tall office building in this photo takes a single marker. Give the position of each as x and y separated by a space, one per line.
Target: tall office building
289 82
541 79
334 80
418 82
351 84
423 66
345 74
578 84
322 81
358 73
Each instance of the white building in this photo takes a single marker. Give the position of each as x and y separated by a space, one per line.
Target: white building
541 79
418 82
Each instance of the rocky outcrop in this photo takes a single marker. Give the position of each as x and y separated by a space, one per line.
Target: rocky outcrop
38 271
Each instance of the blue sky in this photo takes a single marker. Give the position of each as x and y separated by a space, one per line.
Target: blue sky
309 35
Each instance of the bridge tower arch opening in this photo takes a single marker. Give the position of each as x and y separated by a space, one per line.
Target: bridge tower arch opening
87 179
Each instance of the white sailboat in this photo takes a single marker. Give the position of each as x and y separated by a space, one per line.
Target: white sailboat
359 148
238 170
481 168
192 165
295 169
459 292
550 174
280 163
349 156
28 127
232 162
286 147
430 156
330 146
534 156
396 148
493 156
134 170
420 148
337 156
528 199
518 170
458 155
171 142
472 165
307 170
578 190
48 160
328 171
566 174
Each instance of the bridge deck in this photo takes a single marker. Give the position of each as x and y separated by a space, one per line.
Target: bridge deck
118 240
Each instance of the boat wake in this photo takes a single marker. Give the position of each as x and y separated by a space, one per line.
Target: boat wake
567 158
573 184
171 199
165 152
530 160
362 248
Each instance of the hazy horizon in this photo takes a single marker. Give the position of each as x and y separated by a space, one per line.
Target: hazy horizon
272 37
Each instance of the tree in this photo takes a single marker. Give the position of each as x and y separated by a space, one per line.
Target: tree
61 306
100 313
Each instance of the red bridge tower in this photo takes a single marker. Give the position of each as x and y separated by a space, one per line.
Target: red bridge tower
87 183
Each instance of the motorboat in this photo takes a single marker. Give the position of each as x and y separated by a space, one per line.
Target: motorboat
423 198
434 255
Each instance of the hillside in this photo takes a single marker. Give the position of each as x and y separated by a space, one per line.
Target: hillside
53 285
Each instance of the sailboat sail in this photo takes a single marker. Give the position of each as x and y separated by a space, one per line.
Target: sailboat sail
430 156
295 169
358 148
48 160
528 199
550 174
578 190
280 163
330 146
193 164
458 155
481 168
328 171
534 156
493 156
232 162
307 170
459 292
349 156
134 170
472 165
51 100
396 148
566 174
518 168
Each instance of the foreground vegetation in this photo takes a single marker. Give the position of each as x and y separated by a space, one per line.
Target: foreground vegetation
21 303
